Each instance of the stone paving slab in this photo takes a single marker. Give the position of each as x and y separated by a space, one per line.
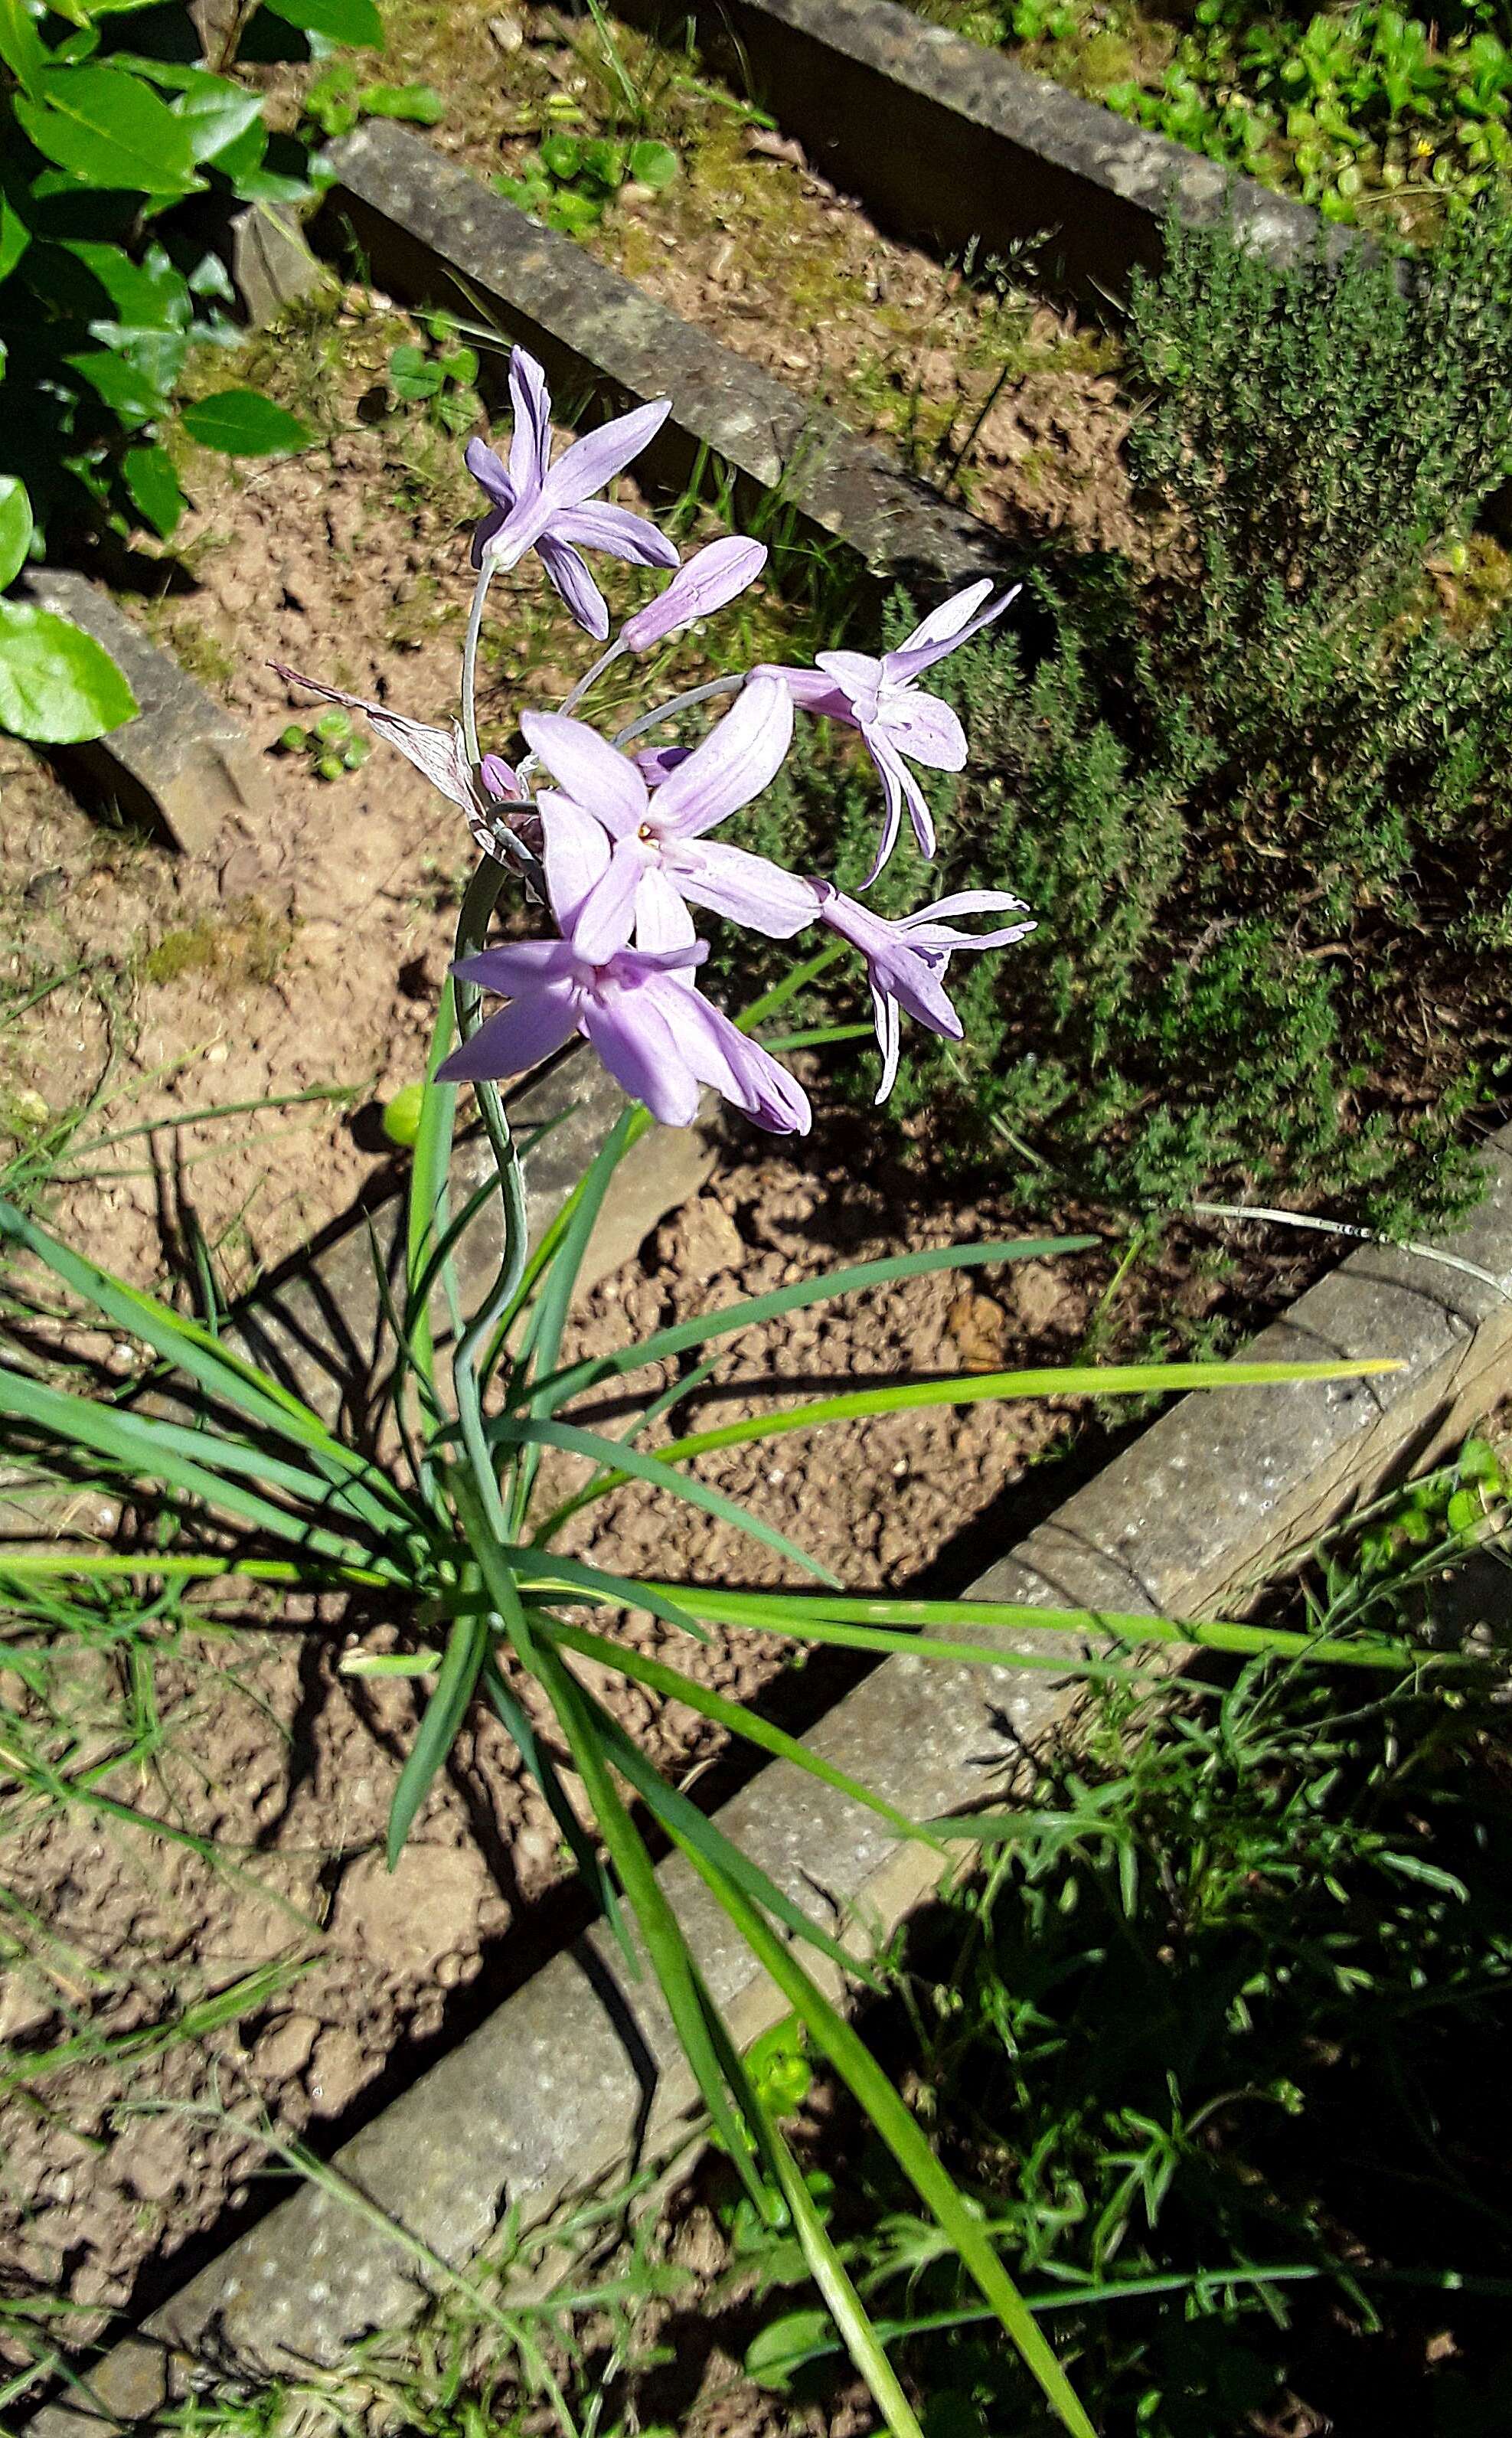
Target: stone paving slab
432 232
943 137
556 2087
184 766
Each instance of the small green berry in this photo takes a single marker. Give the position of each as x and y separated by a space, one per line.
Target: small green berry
401 1116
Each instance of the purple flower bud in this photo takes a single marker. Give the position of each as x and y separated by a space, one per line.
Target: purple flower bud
499 780
710 577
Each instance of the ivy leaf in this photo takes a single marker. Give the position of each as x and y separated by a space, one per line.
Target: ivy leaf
148 475
107 128
355 22
16 528
58 686
244 423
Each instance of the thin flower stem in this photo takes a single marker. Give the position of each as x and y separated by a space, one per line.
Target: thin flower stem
679 703
470 662
605 660
570 701
472 930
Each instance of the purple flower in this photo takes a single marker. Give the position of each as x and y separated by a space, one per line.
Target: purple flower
550 509
656 1032
661 856
879 697
907 960
712 578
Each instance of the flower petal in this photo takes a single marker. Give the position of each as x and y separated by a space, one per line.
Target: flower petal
499 780
530 446
812 691
889 770
924 727
601 526
659 762
605 918
516 1037
662 917
517 966
576 587
719 1053
487 468
630 1033
888 758
884 1014
575 853
599 456
945 629
603 780
712 576
734 764
743 887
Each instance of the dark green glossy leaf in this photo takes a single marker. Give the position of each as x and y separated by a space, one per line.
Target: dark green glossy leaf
341 20
15 237
148 475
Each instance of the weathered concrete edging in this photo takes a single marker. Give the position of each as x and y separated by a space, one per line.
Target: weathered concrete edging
184 766
560 2083
432 232
940 136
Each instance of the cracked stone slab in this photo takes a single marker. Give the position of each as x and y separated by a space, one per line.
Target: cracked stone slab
434 234
184 766
943 135
555 2091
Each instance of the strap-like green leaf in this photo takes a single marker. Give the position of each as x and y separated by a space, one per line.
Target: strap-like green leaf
467 1647
972 1389
629 1464
552 1392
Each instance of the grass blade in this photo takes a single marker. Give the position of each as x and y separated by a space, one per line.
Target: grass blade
852 2060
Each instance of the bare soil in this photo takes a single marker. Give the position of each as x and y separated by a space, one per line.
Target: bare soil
982 381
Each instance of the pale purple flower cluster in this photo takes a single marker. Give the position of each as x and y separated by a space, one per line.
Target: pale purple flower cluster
622 845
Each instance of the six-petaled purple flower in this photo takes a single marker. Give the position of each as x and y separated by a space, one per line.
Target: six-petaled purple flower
898 723
662 859
906 958
640 1007
550 509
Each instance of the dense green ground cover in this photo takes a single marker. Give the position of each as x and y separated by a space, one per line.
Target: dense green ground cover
1376 117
